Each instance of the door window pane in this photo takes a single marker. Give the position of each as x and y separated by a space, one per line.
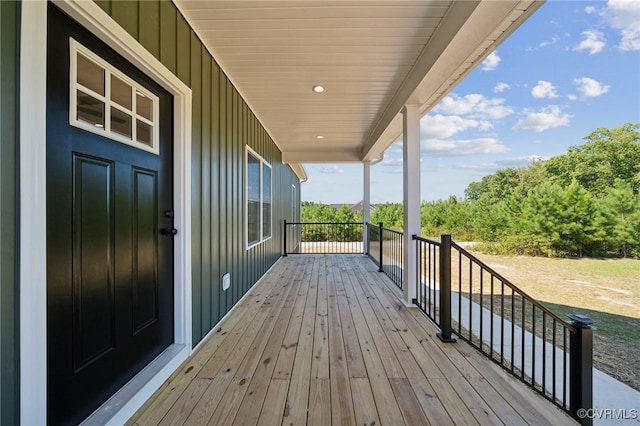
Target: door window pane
120 122
144 106
120 92
89 109
144 133
90 74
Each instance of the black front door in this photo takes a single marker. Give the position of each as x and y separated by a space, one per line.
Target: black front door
109 255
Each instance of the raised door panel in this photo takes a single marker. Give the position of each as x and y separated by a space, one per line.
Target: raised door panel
93 260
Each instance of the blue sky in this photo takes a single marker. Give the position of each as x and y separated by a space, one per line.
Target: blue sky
572 67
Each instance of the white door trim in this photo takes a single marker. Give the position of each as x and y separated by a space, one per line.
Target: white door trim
33 263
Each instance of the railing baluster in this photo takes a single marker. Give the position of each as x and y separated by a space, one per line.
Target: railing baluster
501 322
513 330
471 302
555 370
491 320
533 345
522 333
544 351
481 305
459 293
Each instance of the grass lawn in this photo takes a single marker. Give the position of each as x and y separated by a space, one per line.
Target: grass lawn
606 290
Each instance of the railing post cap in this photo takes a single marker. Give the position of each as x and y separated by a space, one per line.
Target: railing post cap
581 321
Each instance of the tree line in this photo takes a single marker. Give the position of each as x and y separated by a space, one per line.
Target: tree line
582 203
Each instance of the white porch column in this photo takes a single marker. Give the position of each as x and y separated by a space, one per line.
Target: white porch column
366 203
411 191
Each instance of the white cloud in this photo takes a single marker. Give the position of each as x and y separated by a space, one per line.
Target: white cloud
445 126
331 170
456 148
475 106
572 97
491 62
501 87
490 167
590 87
624 16
593 42
544 89
589 10
543 119
554 39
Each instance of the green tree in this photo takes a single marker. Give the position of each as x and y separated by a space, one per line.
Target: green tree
608 154
390 214
562 221
620 208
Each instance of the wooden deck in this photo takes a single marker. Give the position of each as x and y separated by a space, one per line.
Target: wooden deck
325 340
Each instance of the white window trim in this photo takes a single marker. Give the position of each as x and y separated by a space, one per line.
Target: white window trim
76 48
263 163
33 244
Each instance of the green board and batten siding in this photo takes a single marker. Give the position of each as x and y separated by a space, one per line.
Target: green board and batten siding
223 125
9 31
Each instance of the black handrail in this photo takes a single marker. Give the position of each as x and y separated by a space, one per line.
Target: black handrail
496 317
322 237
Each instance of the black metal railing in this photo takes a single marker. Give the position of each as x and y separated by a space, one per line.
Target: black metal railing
323 237
428 263
385 248
465 297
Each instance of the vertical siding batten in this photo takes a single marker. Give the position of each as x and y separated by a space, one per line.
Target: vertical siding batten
205 161
149 26
183 37
228 189
168 39
196 187
126 13
215 195
237 191
9 213
222 207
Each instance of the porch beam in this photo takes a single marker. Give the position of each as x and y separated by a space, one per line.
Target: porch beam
411 193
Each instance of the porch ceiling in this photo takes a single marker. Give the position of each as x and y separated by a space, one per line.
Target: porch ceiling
373 57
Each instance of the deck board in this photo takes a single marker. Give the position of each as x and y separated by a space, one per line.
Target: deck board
326 340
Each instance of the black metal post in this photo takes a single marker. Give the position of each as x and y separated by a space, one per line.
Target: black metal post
445 289
367 238
284 239
380 269
581 369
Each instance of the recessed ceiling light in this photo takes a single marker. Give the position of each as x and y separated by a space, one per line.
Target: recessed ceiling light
318 88
319 137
